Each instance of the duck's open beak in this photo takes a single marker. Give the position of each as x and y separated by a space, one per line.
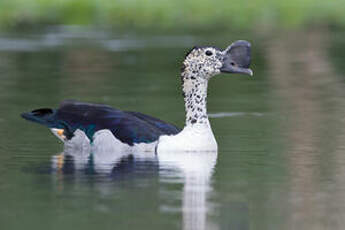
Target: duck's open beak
237 58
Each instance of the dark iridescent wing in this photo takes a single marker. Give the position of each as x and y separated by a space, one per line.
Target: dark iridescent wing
128 127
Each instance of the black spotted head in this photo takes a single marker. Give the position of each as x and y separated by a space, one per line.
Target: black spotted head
206 62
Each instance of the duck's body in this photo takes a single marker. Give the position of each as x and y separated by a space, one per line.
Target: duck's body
197 138
94 126
128 127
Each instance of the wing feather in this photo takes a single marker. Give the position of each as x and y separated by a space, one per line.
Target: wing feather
128 127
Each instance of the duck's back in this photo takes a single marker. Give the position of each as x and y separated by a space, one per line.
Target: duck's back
128 127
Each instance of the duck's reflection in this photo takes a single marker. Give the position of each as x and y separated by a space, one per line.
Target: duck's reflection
195 168
192 169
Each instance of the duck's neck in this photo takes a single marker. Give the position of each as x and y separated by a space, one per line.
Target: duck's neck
195 96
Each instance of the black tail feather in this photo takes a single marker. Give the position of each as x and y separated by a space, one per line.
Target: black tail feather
42 116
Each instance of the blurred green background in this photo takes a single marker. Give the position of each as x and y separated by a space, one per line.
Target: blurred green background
172 14
281 161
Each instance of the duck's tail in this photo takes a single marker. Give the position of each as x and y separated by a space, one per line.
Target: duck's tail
46 117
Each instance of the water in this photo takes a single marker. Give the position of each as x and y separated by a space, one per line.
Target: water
281 160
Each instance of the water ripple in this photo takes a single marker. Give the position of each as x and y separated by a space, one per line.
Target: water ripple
233 114
58 37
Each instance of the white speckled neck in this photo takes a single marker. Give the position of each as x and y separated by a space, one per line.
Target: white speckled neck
199 66
195 96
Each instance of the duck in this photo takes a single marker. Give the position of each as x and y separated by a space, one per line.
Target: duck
98 127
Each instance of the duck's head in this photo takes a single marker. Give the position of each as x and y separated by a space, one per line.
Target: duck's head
205 62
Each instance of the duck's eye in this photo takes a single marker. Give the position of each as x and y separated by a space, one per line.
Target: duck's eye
208 53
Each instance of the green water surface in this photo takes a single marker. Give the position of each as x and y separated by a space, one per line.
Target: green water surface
281 134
